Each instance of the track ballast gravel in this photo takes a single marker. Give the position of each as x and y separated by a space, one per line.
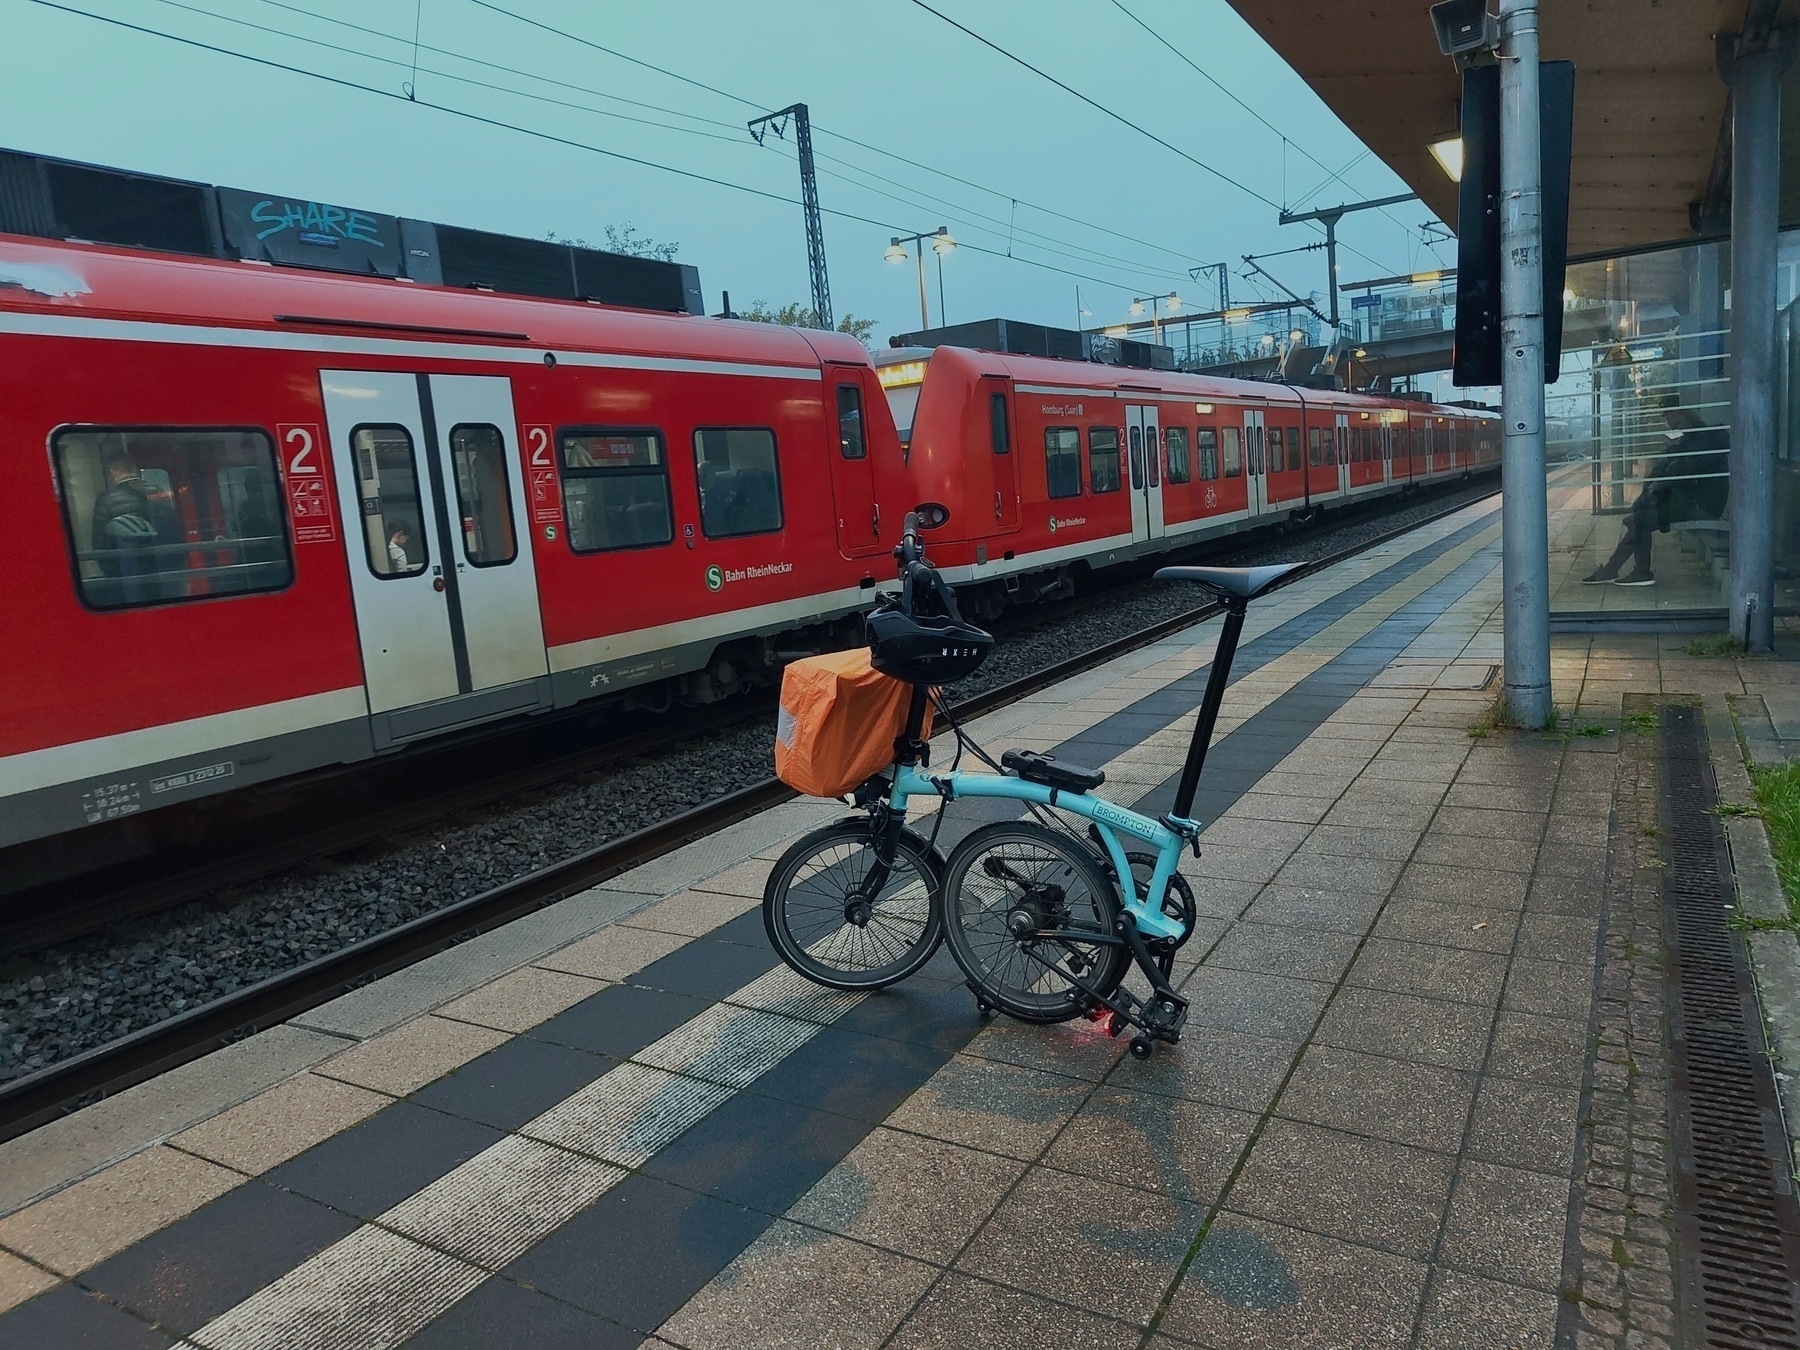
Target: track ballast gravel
68 999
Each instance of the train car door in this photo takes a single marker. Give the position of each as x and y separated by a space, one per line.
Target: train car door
1387 447
1005 463
1341 437
1143 444
1256 483
441 571
852 474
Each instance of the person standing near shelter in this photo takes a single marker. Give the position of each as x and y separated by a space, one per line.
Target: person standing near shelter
1687 482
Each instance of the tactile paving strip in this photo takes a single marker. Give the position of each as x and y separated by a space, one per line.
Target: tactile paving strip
1737 1218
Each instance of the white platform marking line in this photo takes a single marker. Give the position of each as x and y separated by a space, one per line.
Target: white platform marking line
492 1214
384 1283
370 1291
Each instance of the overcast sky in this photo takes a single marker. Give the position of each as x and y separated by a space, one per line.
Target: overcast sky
981 131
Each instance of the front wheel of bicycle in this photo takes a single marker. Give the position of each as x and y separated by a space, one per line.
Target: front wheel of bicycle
1019 903
825 922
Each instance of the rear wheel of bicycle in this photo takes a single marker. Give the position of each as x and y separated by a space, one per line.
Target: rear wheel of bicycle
1009 882
824 924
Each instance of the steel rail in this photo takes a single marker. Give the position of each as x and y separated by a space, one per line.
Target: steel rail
56 1089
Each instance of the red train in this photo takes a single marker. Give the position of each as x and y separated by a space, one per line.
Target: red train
267 519
1087 465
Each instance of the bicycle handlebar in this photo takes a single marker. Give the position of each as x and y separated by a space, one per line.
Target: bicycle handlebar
910 550
918 578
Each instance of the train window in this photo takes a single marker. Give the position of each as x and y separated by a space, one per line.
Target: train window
483 502
387 481
615 488
850 422
163 514
1234 458
1135 436
1062 461
1175 445
1206 441
1314 447
1152 458
740 481
1103 459
997 428
1293 447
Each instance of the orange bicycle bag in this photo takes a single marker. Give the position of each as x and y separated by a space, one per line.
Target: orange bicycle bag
838 721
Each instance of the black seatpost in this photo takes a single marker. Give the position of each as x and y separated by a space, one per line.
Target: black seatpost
911 747
1235 609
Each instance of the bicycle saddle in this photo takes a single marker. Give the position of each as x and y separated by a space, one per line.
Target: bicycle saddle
1034 767
1244 582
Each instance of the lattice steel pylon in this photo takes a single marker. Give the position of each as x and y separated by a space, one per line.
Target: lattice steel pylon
809 199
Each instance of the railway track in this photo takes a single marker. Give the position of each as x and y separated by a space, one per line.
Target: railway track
36 1098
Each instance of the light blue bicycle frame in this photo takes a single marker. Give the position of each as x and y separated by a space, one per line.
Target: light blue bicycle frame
1145 911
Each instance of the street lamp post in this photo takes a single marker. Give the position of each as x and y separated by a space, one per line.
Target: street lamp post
941 243
1170 302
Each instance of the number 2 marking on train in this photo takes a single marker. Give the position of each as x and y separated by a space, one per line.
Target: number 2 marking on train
309 499
546 496
303 442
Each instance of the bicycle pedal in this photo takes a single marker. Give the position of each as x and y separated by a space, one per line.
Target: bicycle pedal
1165 1015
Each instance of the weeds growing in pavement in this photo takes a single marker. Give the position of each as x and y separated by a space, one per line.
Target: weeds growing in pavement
1719 644
1644 722
1495 719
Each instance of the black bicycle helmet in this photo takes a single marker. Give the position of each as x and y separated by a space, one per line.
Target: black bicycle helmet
919 636
924 649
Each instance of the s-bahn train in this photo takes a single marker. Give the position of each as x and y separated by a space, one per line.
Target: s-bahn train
1087 465
263 520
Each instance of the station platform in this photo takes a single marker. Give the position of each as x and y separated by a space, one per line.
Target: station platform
623 1122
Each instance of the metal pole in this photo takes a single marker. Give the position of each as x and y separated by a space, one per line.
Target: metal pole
943 309
1755 173
1331 269
919 248
1525 529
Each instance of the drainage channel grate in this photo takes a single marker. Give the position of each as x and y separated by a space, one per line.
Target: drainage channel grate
1738 1224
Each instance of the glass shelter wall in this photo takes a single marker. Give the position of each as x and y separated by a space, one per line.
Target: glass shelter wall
1638 434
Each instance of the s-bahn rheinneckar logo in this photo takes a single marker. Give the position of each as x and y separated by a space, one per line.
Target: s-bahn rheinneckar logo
717 576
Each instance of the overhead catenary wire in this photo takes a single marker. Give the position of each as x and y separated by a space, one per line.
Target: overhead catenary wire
1109 112
1220 174
1336 176
589 43
734 130
1074 252
549 137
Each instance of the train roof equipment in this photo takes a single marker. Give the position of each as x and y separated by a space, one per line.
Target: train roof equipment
66 200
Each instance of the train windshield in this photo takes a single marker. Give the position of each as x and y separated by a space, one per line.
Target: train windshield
901 383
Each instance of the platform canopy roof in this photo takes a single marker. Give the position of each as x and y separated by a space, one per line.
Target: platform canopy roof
1651 126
